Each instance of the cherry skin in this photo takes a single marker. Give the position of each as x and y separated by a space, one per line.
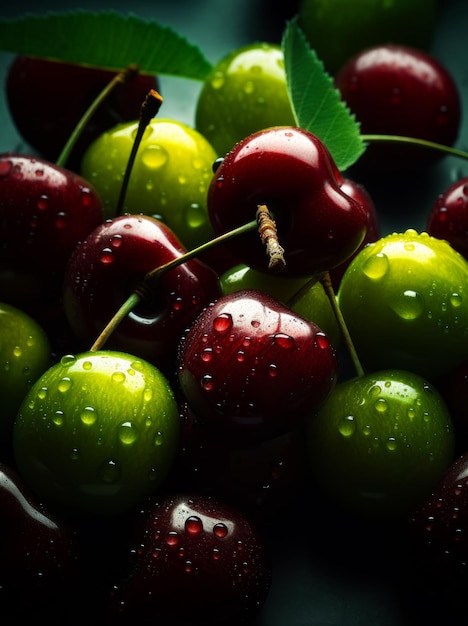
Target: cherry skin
404 301
194 560
245 92
48 124
448 216
292 172
169 179
338 29
97 433
45 211
110 263
252 368
25 354
398 90
38 549
380 443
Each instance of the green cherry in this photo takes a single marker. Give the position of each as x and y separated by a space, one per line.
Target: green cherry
404 299
311 302
380 443
97 433
25 354
245 92
169 179
337 29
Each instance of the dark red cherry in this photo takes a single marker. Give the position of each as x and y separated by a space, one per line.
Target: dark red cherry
292 172
252 368
448 216
195 561
46 100
398 90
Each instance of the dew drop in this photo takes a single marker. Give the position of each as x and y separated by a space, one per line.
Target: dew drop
347 426
42 202
68 359
58 418
283 341
154 157
220 530
193 525
74 454
207 355
376 266
217 80
223 323
110 471
207 382
127 432
148 394
42 393
456 300
118 377
216 554
172 538
17 352
159 439
375 390
272 370
87 365
322 341
116 241
65 385
106 256
409 305
391 444
195 215
88 415
61 220
381 405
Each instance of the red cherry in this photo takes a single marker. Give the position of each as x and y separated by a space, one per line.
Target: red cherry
292 172
196 561
45 211
106 267
398 90
66 91
448 216
252 368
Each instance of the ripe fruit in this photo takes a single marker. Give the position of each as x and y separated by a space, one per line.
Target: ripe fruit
338 29
25 354
448 216
380 443
66 91
245 92
110 263
45 211
38 551
97 433
292 172
195 560
314 304
169 179
404 300
397 90
252 369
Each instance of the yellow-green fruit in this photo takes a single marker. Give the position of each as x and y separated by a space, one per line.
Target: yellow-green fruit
169 179
245 92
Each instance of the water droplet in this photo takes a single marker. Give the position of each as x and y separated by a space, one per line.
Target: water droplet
217 80
106 256
159 438
456 300
88 415
207 355
195 215
74 454
240 356
381 405
148 394
193 525
154 156
207 382
322 341
61 220
65 384
220 530
172 538
87 365
216 554
409 305
223 323
347 426
42 393
283 341
376 266
116 241
391 444
118 377
58 418
110 471
17 352
42 202
273 370
127 432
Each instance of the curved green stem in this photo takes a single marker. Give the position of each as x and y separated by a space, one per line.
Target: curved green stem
417 142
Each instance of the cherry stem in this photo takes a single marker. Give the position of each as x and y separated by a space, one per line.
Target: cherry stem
269 237
415 141
121 78
149 109
328 287
150 280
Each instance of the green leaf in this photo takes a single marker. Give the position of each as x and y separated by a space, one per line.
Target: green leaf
316 102
104 39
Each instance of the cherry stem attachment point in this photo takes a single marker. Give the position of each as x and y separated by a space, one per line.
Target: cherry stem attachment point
328 287
269 236
149 109
415 141
121 78
149 283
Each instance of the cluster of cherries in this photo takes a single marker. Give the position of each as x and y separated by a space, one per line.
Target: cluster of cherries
254 381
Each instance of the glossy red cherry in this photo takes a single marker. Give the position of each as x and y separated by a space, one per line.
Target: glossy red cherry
292 172
252 368
45 211
111 262
196 561
66 91
398 90
448 216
